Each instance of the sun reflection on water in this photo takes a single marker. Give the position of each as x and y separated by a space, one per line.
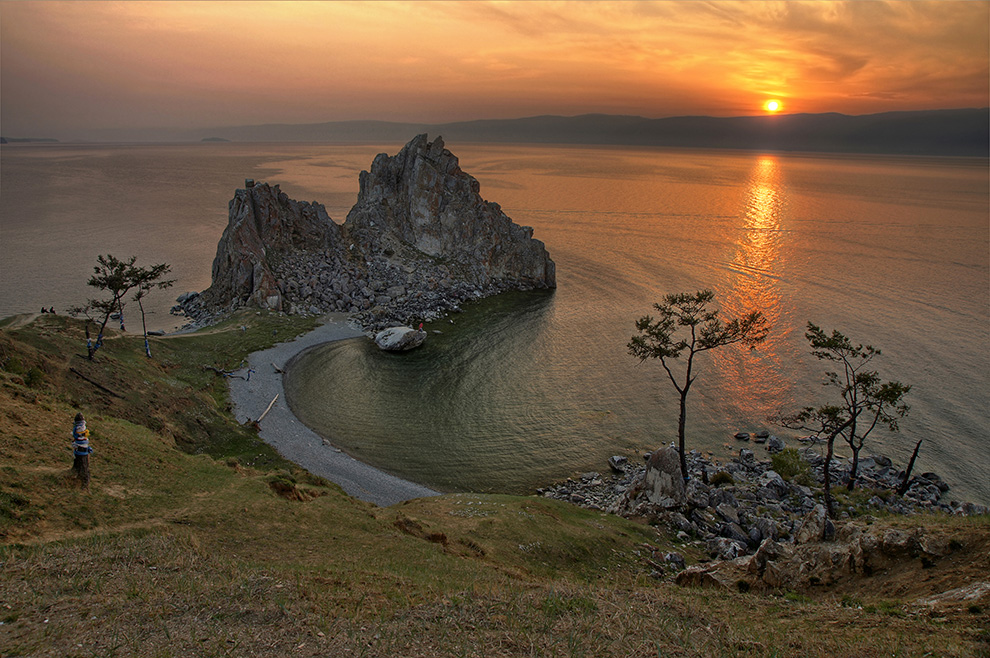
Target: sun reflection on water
752 282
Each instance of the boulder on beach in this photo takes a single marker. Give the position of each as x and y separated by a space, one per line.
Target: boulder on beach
399 339
662 481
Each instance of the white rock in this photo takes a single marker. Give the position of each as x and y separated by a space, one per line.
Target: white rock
399 339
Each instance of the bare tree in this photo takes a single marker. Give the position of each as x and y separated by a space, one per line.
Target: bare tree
144 288
685 325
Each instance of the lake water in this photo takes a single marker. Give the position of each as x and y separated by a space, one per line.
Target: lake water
527 388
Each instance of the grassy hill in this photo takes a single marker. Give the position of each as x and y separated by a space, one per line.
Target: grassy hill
197 539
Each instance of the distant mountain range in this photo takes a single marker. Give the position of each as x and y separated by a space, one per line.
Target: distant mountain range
964 132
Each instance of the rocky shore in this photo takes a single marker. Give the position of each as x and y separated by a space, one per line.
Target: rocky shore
734 507
419 243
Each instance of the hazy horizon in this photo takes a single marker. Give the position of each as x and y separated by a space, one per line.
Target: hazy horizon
76 70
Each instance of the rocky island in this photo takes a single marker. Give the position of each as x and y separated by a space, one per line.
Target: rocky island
419 242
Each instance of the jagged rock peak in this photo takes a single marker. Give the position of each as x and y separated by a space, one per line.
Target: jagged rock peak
263 225
420 198
419 241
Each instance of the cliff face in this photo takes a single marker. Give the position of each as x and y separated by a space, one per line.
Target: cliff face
421 198
419 241
264 227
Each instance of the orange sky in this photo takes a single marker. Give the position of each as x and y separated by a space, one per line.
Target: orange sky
73 67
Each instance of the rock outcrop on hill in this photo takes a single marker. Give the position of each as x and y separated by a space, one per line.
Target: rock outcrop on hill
265 227
418 243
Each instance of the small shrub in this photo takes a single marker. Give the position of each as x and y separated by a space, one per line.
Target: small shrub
974 609
788 464
742 586
892 608
720 478
283 485
14 366
35 378
850 602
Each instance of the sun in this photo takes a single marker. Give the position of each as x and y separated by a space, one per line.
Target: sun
772 106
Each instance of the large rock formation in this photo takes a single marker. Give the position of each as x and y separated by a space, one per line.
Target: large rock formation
421 199
419 241
264 226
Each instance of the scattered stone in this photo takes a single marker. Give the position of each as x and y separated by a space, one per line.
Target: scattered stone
724 548
618 463
759 504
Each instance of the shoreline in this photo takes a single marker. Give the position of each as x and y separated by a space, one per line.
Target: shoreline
282 430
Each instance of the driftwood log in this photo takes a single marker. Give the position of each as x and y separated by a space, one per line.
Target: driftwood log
270 405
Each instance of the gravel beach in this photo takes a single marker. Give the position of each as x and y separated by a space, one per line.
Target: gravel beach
296 442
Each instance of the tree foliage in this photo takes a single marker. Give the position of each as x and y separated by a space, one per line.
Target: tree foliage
118 278
686 326
864 402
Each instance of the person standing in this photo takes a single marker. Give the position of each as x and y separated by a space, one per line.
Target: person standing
81 450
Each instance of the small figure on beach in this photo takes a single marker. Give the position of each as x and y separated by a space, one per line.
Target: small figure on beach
81 450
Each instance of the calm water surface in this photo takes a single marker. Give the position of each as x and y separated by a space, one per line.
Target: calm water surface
527 388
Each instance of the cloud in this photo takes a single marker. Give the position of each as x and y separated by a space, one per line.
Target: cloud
202 63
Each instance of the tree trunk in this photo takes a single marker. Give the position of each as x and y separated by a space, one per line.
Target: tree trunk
901 490
144 325
81 468
681 422
827 477
855 467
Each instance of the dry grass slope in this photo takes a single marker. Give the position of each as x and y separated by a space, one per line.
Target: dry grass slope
195 539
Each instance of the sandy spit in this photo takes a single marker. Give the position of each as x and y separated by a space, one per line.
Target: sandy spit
296 442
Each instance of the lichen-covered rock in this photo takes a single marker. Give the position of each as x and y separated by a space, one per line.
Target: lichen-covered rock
662 482
813 527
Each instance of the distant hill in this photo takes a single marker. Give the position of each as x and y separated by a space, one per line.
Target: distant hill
964 132
18 140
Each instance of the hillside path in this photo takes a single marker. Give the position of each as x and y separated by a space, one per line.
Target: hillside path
296 442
